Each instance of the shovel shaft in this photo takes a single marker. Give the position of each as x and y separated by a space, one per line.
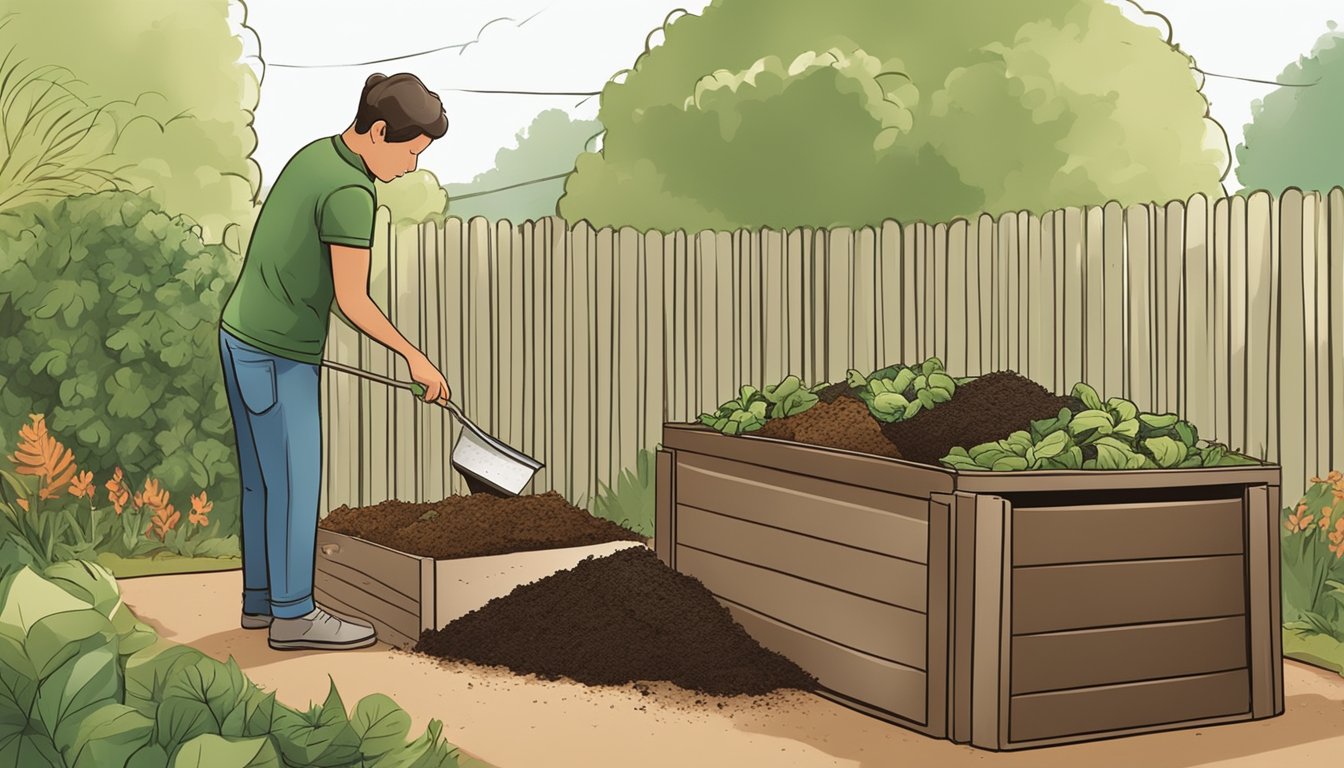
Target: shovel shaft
415 387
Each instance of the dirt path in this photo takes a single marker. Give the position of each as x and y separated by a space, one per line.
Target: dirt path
515 722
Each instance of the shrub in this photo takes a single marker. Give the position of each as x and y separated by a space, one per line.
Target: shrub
48 510
631 501
1312 550
86 684
110 309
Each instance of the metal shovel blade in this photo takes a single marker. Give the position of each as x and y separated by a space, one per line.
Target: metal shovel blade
482 457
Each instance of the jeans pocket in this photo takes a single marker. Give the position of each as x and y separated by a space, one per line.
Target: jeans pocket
256 383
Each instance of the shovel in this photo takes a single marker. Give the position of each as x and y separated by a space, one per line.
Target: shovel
487 463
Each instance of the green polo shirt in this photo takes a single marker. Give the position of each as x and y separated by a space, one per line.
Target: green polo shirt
283 298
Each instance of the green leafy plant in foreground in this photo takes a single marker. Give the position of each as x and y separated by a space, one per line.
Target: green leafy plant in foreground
1109 435
86 684
753 407
899 392
1311 548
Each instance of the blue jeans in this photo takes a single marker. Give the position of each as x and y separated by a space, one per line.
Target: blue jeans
275 404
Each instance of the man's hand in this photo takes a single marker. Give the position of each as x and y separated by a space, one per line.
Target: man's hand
426 375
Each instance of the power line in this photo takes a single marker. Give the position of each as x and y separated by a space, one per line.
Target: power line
460 47
507 92
1257 80
451 198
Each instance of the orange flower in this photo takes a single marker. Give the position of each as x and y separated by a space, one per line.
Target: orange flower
164 520
1325 519
1298 521
82 485
152 496
23 504
200 510
41 455
1337 539
1335 476
116 491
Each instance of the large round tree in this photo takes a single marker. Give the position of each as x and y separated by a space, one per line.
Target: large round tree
795 113
1296 134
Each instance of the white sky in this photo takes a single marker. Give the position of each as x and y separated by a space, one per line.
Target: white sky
576 45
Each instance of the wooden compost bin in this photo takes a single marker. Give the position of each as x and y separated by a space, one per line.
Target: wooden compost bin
402 594
1005 610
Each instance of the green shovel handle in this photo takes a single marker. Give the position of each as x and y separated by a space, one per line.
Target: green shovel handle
418 389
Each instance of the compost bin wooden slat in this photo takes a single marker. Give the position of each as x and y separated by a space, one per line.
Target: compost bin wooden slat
843 514
886 685
1099 482
367 582
962 618
398 570
993 603
1060 661
1110 708
368 603
843 467
1263 567
888 579
894 634
1058 597
665 507
1091 533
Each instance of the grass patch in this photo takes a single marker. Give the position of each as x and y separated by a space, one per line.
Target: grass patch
1315 649
164 563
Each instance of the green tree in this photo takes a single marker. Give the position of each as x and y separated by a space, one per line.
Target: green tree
547 147
850 113
414 198
169 84
1296 134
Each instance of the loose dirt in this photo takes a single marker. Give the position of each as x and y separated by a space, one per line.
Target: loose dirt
990 407
615 620
476 525
844 422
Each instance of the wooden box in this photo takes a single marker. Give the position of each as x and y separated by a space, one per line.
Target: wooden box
402 594
1004 610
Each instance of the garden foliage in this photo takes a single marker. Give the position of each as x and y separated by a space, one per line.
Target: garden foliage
87 684
1108 435
847 114
111 311
52 510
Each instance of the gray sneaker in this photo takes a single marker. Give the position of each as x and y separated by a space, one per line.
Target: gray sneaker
256 620
320 630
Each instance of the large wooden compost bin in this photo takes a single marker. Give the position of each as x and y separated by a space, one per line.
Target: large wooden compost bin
1005 610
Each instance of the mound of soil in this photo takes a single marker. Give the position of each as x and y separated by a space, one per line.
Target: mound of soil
615 620
844 422
990 407
476 525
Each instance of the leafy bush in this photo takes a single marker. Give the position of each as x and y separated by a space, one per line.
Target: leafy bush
1108 435
44 516
899 392
631 502
86 684
110 309
1312 552
753 407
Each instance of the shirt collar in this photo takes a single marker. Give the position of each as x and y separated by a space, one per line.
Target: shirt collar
350 156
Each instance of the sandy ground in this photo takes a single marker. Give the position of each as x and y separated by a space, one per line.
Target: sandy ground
515 722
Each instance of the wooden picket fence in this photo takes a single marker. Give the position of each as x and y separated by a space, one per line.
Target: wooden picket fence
575 344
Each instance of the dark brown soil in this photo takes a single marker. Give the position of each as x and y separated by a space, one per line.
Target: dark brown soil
843 423
835 391
990 407
615 620
476 525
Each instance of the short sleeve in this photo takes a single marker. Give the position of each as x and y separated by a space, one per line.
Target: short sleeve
346 218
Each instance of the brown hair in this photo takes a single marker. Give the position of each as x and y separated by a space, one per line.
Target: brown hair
405 104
